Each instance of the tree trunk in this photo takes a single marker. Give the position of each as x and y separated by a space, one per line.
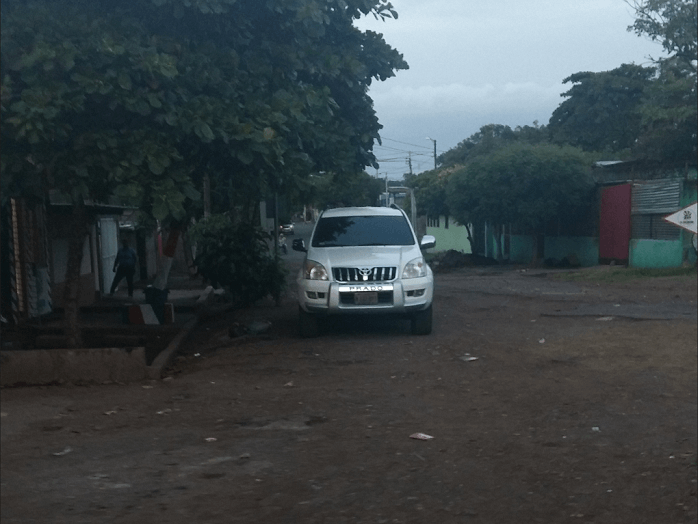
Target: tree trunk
188 255
78 228
473 247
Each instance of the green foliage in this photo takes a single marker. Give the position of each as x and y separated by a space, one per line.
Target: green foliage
673 23
431 187
601 111
430 191
669 113
649 113
520 184
236 256
669 120
333 189
490 138
102 97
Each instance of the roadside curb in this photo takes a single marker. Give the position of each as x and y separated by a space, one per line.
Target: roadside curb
154 371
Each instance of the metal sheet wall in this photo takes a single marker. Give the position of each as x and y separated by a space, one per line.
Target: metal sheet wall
655 197
651 200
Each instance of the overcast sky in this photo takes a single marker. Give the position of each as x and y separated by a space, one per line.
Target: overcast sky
480 62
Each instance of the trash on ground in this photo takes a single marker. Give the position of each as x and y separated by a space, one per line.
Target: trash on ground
605 319
468 358
288 385
211 439
595 428
541 341
110 412
67 450
164 411
421 436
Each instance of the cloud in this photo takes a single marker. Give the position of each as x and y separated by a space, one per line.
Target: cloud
472 99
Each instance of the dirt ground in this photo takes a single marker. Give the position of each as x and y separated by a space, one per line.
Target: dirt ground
548 401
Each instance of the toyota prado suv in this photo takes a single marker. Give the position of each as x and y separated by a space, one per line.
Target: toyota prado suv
364 260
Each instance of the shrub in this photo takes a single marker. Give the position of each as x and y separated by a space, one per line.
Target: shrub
236 256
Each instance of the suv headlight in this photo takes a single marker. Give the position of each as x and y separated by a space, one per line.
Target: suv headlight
415 268
315 271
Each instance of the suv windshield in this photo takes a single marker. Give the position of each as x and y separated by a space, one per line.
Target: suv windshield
363 231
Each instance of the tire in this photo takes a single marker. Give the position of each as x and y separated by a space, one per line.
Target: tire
307 324
422 321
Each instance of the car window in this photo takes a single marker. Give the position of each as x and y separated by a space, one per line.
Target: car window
363 231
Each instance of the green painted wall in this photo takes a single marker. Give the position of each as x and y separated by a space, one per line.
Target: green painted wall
655 253
455 237
666 253
585 248
520 249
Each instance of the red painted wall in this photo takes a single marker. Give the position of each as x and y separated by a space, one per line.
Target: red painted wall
614 234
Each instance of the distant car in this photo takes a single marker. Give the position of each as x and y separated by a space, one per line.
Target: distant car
286 229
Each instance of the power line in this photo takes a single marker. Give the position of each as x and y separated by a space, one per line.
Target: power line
406 143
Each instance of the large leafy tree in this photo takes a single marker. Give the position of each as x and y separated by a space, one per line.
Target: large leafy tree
522 184
490 138
601 112
141 99
669 113
334 189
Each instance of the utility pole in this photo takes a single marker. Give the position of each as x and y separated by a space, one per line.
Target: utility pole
409 160
433 140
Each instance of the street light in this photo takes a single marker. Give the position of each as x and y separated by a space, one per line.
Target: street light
433 140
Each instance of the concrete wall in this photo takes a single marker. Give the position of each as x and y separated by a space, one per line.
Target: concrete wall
655 253
586 249
34 367
455 237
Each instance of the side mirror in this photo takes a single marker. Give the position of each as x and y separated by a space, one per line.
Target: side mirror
428 241
299 245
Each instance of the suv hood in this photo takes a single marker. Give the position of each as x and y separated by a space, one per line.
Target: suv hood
368 256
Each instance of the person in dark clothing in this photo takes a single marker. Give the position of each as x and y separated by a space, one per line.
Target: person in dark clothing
124 266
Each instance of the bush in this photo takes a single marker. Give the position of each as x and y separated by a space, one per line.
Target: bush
236 256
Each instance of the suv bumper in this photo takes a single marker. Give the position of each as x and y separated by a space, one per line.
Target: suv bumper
334 298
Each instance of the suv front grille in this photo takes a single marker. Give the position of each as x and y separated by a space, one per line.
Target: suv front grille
355 274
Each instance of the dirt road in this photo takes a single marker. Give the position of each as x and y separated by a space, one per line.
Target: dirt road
547 401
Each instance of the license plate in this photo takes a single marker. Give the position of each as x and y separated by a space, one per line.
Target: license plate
365 299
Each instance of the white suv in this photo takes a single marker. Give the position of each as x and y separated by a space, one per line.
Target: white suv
364 260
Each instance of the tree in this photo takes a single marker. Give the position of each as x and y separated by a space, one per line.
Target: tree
141 99
673 24
601 110
669 113
521 184
489 138
324 190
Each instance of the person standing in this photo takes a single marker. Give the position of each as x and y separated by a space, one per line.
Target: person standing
124 266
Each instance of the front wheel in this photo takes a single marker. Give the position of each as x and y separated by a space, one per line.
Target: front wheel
307 324
421 322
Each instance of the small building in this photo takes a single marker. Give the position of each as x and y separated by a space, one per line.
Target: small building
35 255
624 223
